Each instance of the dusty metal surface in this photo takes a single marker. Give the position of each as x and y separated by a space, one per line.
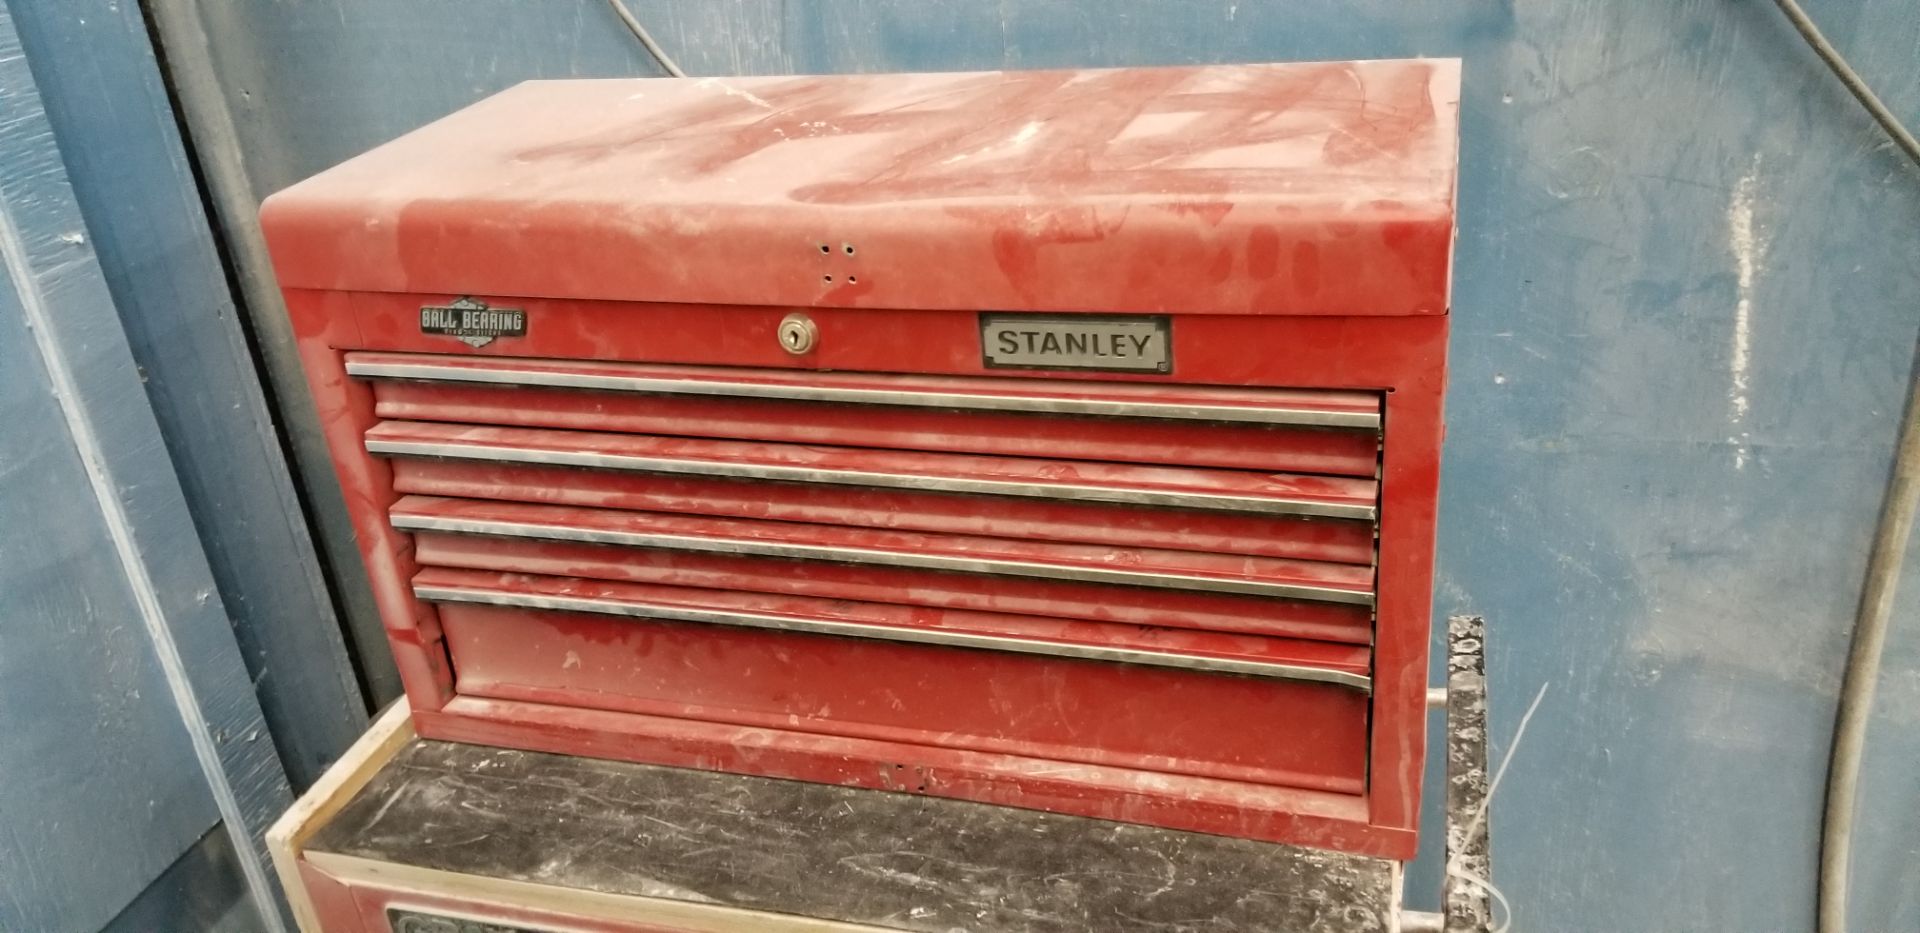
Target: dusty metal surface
891 860
1232 189
1289 223
1468 907
989 640
1211 403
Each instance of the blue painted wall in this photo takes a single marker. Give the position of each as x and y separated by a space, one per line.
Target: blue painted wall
1687 295
129 726
108 107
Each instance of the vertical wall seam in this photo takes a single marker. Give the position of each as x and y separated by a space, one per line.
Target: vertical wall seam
211 142
120 530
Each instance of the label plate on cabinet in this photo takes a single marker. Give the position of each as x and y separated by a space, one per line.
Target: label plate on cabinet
1134 343
473 321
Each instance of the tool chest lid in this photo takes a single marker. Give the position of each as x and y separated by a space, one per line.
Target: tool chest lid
1322 189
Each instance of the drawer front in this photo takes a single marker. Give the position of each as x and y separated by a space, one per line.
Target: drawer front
1134 715
1166 578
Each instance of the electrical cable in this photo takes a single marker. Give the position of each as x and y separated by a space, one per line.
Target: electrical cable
1855 84
1892 530
646 39
1894 527
1454 868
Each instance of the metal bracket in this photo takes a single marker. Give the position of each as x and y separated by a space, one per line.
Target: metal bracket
1467 906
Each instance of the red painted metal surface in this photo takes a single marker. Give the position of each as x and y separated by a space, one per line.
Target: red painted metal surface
1237 808
990 701
1222 190
333 903
1206 444
1183 570
1295 221
1017 476
1217 612
1335 540
1328 656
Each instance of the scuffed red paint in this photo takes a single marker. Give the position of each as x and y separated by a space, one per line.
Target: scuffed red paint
1280 449
985 701
1279 814
1049 598
1295 220
1059 182
1344 541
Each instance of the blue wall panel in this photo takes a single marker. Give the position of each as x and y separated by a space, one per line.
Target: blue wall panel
129 721
110 113
99 790
1684 310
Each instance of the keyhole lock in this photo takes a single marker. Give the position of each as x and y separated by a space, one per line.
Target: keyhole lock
797 334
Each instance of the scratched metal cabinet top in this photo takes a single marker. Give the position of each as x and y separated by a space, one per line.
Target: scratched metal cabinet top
1268 189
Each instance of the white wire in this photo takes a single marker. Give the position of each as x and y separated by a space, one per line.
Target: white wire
1506 909
1480 816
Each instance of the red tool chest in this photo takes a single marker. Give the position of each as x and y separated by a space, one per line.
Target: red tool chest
1067 440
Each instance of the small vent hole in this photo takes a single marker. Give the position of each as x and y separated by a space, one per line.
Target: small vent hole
827 278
